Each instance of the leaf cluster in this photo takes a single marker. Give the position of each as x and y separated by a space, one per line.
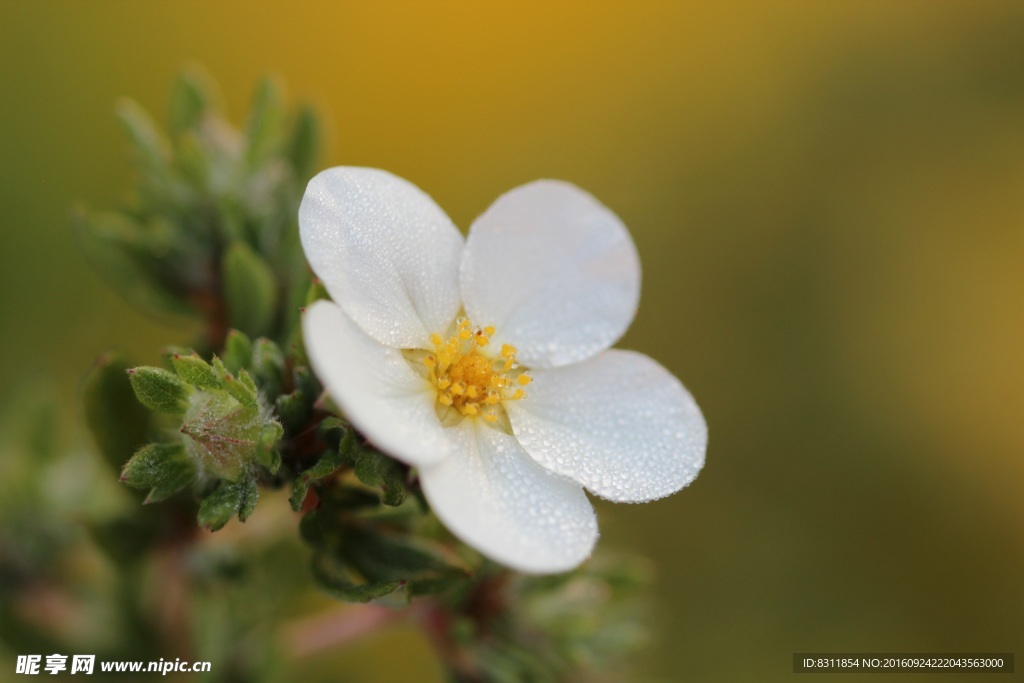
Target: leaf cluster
211 230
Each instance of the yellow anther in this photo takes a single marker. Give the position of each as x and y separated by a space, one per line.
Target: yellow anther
469 379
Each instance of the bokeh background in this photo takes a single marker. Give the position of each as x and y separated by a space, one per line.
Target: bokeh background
828 201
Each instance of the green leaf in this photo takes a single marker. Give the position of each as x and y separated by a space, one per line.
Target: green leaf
376 469
348 592
242 388
306 383
316 292
246 379
192 161
293 409
268 366
337 585
267 453
263 127
117 421
237 351
150 144
329 463
250 289
380 556
226 501
196 371
192 94
302 148
159 389
164 468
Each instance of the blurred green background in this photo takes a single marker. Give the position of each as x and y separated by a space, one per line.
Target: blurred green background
828 201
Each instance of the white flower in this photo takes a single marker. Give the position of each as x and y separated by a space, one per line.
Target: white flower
485 362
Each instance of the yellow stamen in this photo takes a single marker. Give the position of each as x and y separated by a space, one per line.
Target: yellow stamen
468 379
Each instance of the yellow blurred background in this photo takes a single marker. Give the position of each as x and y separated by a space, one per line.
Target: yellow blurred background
828 202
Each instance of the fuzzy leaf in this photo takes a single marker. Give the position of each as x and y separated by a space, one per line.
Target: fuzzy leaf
335 583
348 592
159 389
226 501
329 463
268 366
266 450
117 421
196 371
385 557
250 289
237 351
241 388
164 468
378 470
293 409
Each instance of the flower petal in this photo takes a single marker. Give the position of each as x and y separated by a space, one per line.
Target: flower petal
388 255
495 498
619 423
553 270
375 387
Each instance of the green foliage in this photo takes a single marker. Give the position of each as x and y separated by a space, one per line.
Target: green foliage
329 463
225 433
162 468
160 390
194 370
229 499
237 351
376 469
211 230
359 555
250 289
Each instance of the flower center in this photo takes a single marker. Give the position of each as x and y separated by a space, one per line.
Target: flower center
470 380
